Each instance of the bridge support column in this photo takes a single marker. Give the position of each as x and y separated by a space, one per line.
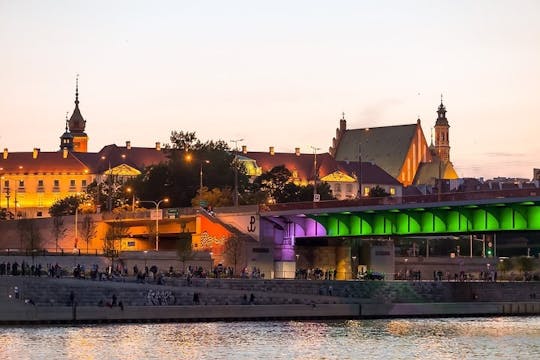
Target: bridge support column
285 259
343 262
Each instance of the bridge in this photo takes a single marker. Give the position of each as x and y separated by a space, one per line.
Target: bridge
412 218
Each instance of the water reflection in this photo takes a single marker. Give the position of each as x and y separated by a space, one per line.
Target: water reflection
508 337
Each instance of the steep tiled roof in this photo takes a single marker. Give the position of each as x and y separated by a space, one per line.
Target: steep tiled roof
371 173
326 164
385 146
137 157
45 162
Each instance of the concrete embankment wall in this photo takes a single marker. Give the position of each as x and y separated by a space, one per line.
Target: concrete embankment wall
92 314
224 299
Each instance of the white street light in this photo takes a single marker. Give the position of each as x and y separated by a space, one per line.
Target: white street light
156 203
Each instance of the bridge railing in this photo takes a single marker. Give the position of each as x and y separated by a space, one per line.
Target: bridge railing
389 200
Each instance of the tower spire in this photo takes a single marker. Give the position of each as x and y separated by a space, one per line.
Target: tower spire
77 90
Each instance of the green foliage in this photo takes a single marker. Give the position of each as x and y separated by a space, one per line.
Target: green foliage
276 186
213 198
65 206
179 177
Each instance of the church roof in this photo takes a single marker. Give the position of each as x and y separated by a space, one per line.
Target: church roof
385 146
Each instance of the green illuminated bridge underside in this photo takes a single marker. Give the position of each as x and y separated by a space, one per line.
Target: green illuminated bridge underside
490 215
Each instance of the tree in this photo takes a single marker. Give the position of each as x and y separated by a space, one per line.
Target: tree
29 234
65 206
184 249
117 230
273 182
213 198
277 186
179 177
58 230
504 265
89 229
233 251
524 264
378 191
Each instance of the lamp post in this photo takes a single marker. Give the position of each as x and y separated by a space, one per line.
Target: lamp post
315 172
235 195
360 170
156 203
132 192
201 176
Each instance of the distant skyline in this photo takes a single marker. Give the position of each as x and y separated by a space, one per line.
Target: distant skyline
275 73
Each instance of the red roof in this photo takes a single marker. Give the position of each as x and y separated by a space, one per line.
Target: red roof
23 163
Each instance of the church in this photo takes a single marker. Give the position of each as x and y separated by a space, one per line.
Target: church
400 150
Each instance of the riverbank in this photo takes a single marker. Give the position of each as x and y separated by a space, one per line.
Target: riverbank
29 300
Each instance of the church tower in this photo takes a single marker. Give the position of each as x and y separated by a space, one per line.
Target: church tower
77 124
442 141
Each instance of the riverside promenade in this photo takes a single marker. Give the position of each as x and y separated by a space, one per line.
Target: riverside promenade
27 300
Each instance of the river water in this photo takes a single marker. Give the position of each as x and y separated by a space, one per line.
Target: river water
455 338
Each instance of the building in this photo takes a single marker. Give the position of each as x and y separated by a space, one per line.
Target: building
341 176
400 150
32 181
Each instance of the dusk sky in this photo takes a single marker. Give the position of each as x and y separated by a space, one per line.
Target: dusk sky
275 73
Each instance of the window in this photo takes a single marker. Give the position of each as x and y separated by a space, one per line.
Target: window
83 183
21 183
56 183
348 188
71 183
6 184
337 187
366 191
392 191
40 183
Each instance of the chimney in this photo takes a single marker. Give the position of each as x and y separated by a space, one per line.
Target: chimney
5 153
271 149
128 145
64 153
297 151
158 146
35 153
244 149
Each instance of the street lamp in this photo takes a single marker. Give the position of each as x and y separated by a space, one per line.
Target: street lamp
201 176
315 173
132 192
235 195
156 203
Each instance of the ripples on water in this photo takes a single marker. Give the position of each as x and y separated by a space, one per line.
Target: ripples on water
466 338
